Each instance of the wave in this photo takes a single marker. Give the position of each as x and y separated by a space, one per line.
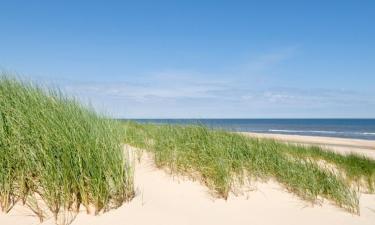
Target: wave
322 132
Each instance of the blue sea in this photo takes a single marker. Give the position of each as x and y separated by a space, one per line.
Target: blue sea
343 128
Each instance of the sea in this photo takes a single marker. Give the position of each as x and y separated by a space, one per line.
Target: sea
342 128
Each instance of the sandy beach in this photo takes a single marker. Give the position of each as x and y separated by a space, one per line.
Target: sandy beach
187 113
164 199
340 145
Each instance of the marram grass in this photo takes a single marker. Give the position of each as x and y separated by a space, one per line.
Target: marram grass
224 160
56 151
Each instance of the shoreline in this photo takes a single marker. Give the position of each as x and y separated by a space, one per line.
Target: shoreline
165 198
340 145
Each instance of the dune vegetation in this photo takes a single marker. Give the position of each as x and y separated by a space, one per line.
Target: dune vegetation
224 161
56 155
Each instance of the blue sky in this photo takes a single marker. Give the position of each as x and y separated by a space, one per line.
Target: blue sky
198 59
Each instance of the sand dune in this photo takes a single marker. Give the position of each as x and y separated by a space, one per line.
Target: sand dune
163 199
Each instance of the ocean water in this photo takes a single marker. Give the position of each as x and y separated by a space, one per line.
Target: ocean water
343 128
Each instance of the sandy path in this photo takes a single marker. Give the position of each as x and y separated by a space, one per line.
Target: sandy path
162 199
341 145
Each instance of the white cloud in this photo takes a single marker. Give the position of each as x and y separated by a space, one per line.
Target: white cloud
175 93
185 97
270 59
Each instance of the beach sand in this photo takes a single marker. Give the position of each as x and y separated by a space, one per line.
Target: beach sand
340 145
164 199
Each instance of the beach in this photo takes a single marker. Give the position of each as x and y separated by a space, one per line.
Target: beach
340 145
165 199
187 113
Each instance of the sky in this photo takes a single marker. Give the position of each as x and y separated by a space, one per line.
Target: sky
198 59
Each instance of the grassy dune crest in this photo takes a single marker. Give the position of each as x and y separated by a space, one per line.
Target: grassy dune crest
224 160
55 151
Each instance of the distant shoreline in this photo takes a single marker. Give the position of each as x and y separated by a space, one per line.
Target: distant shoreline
341 145
363 129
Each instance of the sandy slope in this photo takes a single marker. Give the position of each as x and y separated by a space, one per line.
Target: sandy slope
162 199
341 145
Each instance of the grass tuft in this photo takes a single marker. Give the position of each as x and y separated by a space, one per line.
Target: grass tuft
220 159
55 151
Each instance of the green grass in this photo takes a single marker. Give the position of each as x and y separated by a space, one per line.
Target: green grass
357 169
223 160
54 149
